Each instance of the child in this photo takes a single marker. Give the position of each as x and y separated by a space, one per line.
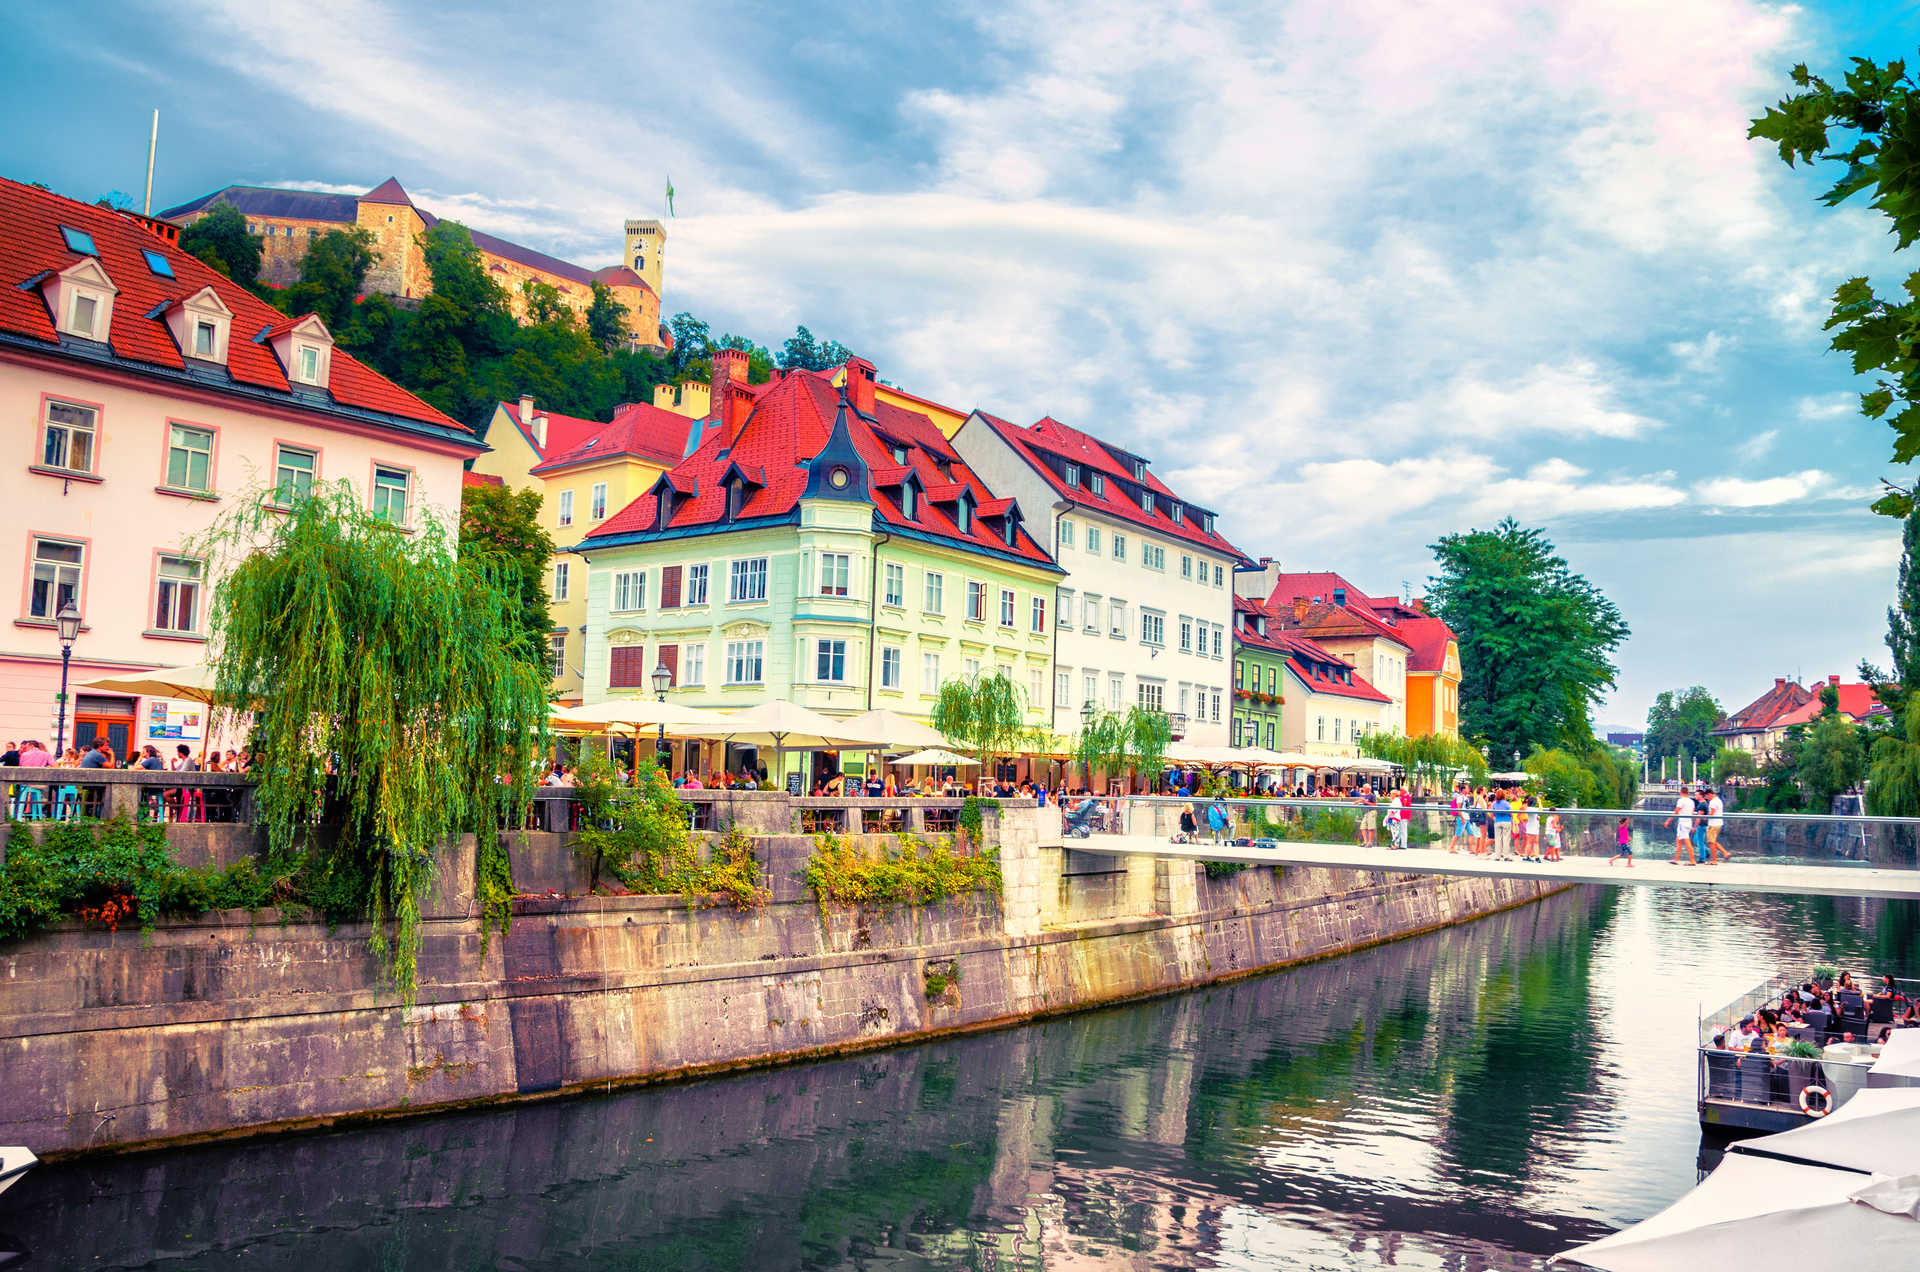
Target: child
1553 836
1623 838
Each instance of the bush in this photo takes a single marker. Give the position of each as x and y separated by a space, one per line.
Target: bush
639 834
912 871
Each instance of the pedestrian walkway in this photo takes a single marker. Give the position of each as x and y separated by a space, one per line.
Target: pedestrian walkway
1837 880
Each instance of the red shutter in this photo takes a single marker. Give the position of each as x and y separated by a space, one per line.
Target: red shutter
629 667
670 587
670 659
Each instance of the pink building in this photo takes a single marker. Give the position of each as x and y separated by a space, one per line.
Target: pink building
147 390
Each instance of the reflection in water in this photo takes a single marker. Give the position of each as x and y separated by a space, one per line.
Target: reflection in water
1474 1099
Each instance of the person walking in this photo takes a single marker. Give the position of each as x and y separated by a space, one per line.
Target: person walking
1682 823
1218 819
1189 825
1502 825
1716 818
1399 819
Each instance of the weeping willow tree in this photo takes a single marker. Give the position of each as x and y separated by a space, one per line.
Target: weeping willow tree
392 705
983 716
1115 741
1431 760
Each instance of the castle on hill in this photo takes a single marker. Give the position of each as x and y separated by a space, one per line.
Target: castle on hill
287 222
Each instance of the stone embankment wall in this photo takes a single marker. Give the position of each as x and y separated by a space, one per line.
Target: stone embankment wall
239 1023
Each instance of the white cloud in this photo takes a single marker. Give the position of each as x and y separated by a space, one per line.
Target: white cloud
1758 446
1701 356
1575 398
1828 406
1766 492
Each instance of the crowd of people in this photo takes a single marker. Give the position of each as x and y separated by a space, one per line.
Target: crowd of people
75 798
1819 1013
99 753
1504 823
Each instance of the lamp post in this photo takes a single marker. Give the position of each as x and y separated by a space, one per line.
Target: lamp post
68 622
662 681
1087 712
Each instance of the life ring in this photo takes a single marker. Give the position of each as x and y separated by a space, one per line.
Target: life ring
1826 1101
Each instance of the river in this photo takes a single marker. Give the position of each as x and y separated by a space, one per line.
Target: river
1478 1098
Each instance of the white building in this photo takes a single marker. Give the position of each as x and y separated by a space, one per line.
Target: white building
1146 609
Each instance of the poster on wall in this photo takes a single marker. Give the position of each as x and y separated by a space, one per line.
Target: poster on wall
172 721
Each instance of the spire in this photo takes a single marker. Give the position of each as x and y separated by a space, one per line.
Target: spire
838 472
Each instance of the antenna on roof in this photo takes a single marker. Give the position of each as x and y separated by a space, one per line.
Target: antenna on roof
153 142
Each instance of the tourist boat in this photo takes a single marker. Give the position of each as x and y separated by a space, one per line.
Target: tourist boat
15 1162
1745 1092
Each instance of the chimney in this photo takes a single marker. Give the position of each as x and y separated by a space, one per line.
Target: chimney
1300 609
728 365
731 407
526 409
860 385
1340 596
1779 682
1257 584
1833 680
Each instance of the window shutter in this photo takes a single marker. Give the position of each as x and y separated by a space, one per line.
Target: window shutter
670 587
670 659
628 669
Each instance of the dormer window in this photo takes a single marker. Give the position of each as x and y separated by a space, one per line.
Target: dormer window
1012 525
909 501
305 349
1178 513
1146 501
309 364
963 514
900 455
1098 485
201 324
1139 470
80 298
1206 522
1073 474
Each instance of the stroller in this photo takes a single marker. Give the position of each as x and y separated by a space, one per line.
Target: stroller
1079 818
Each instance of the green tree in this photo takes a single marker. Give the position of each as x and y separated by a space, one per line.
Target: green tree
982 716
1681 722
1430 760
1831 759
1536 639
220 239
1564 780
607 324
1730 761
503 527
393 699
802 352
692 348
331 276
759 361
1876 115
543 301
1114 742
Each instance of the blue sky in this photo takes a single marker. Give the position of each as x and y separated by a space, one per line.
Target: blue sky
1355 273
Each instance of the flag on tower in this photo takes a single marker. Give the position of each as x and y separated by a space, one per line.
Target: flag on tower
669 194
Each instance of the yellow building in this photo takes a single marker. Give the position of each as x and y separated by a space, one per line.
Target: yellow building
585 472
288 221
945 418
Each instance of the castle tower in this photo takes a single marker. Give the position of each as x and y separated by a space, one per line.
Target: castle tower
646 251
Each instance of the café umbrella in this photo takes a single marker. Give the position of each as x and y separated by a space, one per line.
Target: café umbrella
779 724
637 714
195 682
1876 1130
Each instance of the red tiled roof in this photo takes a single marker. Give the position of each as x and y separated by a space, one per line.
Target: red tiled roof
1359 606
564 432
1428 638
790 422
1765 711
620 276
388 191
1273 642
471 478
636 429
1856 700
1049 437
31 244
1306 661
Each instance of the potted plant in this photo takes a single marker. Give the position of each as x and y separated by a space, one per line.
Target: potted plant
1824 975
1803 1069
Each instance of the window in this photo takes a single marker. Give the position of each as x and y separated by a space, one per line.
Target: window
830 661
67 438
1153 556
1153 628
970 667
599 509
627 667
1273 680
976 601
390 495
1184 691
1153 695
1036 685
1178 513
1117 619
557 654
56 576
176 595
747 580
694 672
1320 728
78 241
566 507
83 315
1093 540
908 504
629 590
935 598
896 593
1116 690
293 472
1090 688
929 674
1270 735
1062 687
1039 618
1206 522
205 334
158 264
1006 607
308 362
744 661
963 514
189 458
559 580
1186 566
669 587
1216 706
833 574
1219 577
1186 634
1073 474
1090 613
697 584
1098 485
1066 533
1336 728
889 668
1217 630
1119 547
1066 608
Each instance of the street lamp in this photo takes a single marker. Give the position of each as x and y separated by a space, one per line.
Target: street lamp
1087 712
662 681
68 622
